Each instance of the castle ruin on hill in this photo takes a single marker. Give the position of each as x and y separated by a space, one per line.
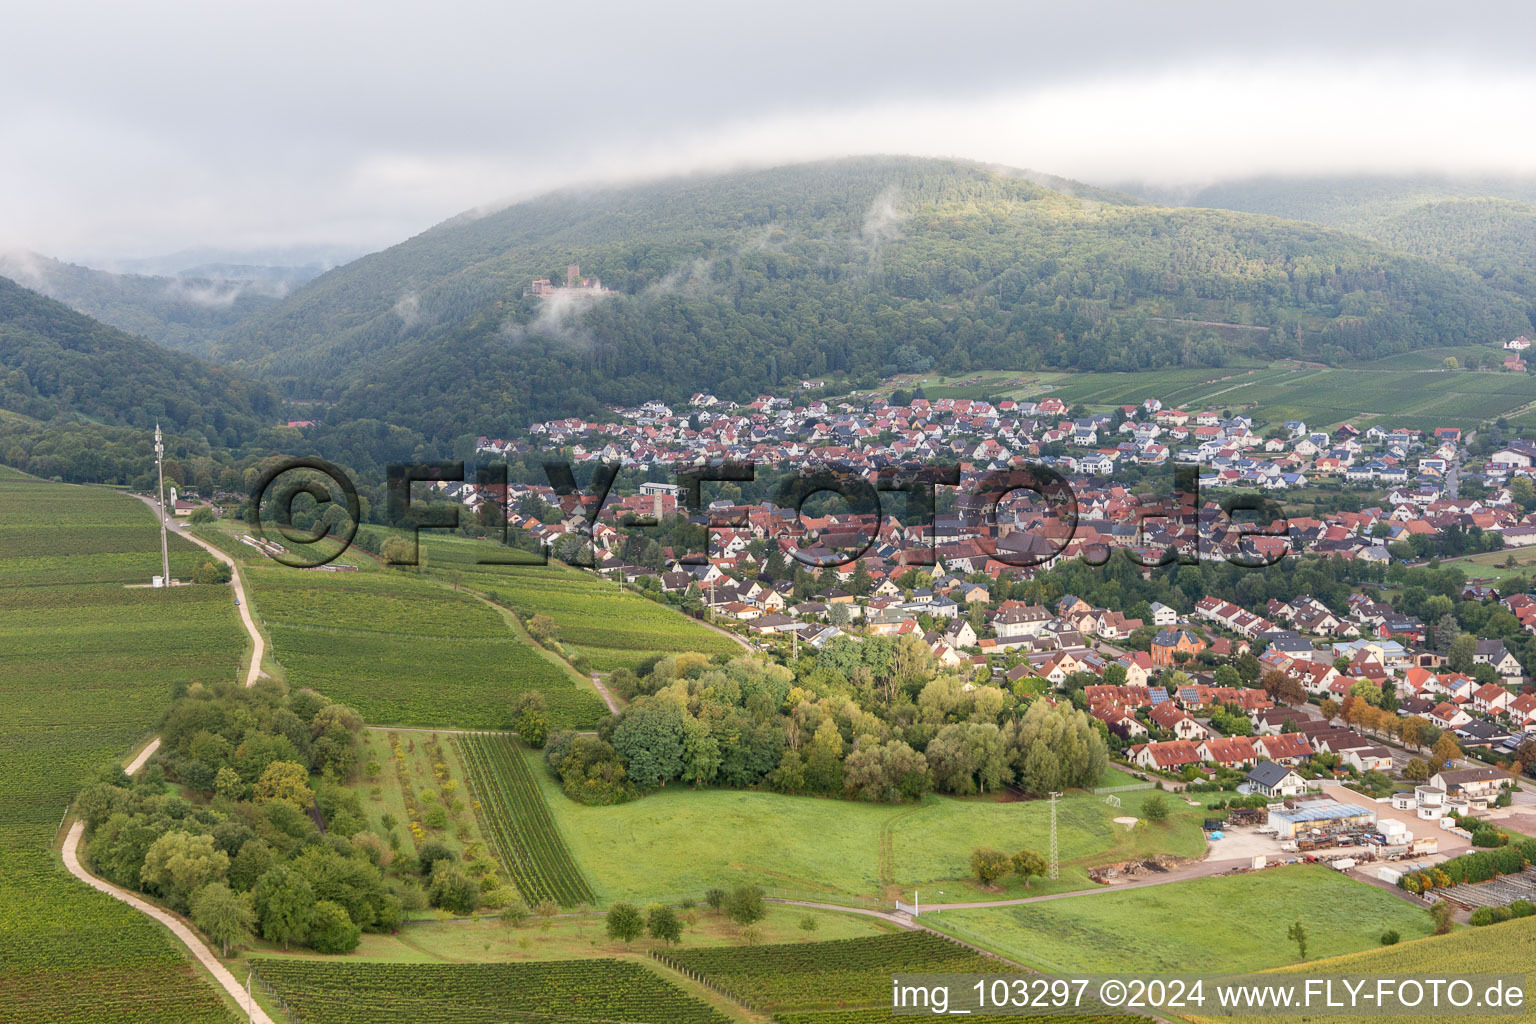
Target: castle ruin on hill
574 283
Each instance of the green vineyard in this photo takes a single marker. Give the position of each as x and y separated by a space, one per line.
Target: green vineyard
844 974
515 818
408 651
86 669
613 628
322 992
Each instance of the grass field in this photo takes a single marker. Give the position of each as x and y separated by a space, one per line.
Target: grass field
1507 948
571 936
836 850
1228 923
86 669
610 626
1490 564
405 650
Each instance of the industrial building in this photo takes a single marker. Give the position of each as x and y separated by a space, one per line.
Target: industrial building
1297 819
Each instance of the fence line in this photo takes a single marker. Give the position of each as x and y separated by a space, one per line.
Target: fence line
273 995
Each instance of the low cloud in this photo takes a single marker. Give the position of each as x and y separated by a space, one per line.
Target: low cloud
99 185
882 222
559 318
694 279
216 294
408 309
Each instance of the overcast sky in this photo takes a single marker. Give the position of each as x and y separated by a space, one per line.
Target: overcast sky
131 130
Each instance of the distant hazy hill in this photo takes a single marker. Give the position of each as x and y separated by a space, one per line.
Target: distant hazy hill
183 312
737 282
1348 201
1487 225
58 365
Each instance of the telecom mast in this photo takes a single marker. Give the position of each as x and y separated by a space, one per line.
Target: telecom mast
165 549
1054 871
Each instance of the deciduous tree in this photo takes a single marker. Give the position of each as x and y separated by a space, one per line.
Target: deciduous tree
988 865
624 922
1027 863
222 914
662 923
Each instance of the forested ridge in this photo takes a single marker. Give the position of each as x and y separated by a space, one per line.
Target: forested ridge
55 363
1484 224
80 400
741 282
182 313
737 283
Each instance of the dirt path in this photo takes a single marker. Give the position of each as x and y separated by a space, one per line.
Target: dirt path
179 927
602 691
259 645
1199 869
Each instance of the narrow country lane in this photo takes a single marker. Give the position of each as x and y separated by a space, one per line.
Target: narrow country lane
178 927
175 924
602 691
235 580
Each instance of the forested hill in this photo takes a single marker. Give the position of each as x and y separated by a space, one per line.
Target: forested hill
738 282
1485 224
184 313
60 366
1351 202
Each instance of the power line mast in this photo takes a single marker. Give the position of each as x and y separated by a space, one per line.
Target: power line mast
1054 871
165 548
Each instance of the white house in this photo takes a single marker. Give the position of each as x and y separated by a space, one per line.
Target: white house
1275 780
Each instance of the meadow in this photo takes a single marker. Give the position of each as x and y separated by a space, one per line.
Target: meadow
1507 948
1491 564
572 936
404 650
841 851
86 668
612 627
597 619
1218 924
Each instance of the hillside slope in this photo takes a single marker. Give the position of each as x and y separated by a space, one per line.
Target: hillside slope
185 313
744 281
1487 225
60 365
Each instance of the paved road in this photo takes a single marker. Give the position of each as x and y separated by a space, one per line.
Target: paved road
177 925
